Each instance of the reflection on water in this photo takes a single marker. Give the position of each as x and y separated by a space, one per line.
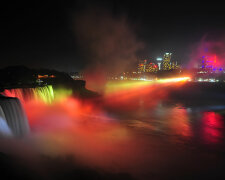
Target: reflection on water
178 122
148 113
212 127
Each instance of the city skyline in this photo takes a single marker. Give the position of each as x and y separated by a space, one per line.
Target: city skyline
54 36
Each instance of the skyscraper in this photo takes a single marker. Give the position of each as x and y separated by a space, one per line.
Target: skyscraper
166 64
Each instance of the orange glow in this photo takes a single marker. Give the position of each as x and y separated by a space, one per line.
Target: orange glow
42 76
127 94
215 59
46 76
178 122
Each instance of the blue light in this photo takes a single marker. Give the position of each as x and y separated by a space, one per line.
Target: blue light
4 128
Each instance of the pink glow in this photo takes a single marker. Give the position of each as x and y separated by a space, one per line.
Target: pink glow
84 131
213 48
212 127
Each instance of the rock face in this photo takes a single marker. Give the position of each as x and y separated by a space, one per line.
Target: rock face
13 120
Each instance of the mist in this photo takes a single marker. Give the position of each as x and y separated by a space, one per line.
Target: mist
99 135
107 42
211 45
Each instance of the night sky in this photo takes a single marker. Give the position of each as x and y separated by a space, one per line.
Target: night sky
44 34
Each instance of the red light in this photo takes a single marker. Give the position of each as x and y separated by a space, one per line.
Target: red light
212 127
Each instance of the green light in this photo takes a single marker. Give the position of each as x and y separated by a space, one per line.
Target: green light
46 94
62 93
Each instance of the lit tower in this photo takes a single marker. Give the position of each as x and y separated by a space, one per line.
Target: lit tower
166 61
159 62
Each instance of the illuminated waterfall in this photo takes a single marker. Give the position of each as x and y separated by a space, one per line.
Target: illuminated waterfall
45 94
4 128
13 120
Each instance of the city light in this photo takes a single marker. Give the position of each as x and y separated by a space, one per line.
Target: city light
159 59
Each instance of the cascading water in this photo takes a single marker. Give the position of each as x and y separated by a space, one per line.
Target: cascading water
13 120
45 94
4 128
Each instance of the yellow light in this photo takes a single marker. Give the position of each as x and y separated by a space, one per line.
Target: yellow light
173 79
114 86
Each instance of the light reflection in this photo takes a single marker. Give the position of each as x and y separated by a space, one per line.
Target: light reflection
212 125
179 123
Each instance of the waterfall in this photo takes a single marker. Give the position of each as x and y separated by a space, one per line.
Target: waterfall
45 94
4 128
13 120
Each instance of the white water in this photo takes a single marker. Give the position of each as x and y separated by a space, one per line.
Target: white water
13 120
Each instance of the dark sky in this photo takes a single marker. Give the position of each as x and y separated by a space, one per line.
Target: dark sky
41 34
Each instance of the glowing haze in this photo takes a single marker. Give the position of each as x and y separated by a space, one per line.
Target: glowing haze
211 46
108 44
87 131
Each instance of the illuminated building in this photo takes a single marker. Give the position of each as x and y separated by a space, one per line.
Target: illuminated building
151 67
160 64
166 64
77 75
210 70
142 65
209 65
45 76
174 65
